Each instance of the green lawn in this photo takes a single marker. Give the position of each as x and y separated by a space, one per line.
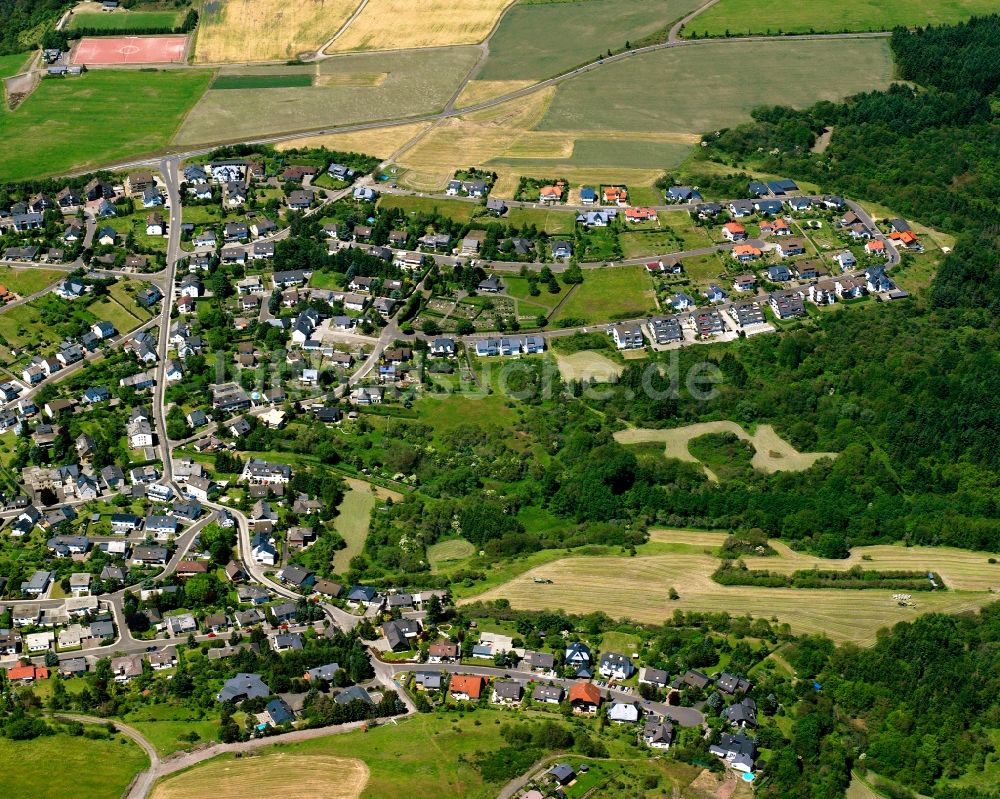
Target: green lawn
28 281
202 214
109 309
261 81
353 517
13 64
622 643
126 20
163 725
538 40
102 116
619 292
695 91
549 220
518 287
741 17
421 757
453 552
458 210
22 325
63 765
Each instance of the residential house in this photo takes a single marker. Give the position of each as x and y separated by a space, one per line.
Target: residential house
615 666
507 692
584 697
466 687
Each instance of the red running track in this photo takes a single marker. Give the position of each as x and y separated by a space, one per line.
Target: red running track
130 50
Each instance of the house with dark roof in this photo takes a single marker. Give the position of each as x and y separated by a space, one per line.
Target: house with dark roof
241 687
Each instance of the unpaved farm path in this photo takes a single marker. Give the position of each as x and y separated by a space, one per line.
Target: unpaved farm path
772 452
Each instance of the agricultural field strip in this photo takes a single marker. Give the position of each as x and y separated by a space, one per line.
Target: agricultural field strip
580 583
484 105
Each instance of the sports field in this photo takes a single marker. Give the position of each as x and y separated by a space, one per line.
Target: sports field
112 50
269 775
125 20
621 292
98 118
539 40
266 30
698 89
410 83
581 583
741 17
401 24
64 765
773 453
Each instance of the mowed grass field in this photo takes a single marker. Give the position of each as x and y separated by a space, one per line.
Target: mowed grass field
742 17
28 281
125 20
698 88
426 756
588 365
100 117
579 584
407 84
447 553
620 292
458 210
353 517
63 765
400 24
267 775
266 30
772 452
539 40
13 64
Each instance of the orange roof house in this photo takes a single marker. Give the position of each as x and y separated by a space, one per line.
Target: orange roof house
780 226
27 673
907 237
584 696
745 252
617 195
640 214
875 246
551 194
734 231
469 686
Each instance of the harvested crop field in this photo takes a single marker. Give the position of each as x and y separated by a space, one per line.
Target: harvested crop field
272 774
741 17
401 24
695 91
379 142
266 30
539 40
588 365
416 82
478 91
773 453
579 584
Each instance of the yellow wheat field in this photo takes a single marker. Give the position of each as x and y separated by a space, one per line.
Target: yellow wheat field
275 774
478 91
379 142
267 30
399 24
